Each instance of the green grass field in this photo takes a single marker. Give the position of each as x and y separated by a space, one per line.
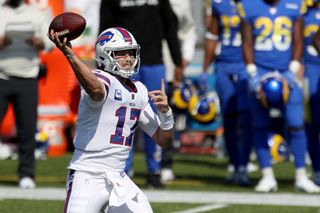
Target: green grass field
193 172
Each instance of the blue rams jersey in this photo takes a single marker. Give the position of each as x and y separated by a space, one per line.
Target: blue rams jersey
229 30
272 28
311 25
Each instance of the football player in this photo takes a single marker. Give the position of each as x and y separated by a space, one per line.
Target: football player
150 21
312 74
272 41
111 108
231 84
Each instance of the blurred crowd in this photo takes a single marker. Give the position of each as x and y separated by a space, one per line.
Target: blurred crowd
256 88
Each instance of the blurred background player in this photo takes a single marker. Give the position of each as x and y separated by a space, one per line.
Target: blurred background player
23 30
188 37
110 109
231 84
311 61
150 22
273 42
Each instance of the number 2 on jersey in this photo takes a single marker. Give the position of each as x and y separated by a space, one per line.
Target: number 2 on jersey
117 137
273 34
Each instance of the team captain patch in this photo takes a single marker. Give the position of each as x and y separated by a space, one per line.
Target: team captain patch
117 95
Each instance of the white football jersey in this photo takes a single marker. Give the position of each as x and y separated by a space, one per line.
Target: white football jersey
105 129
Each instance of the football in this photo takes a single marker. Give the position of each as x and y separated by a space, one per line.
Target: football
69 25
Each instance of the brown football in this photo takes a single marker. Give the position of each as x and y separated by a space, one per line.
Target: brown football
69 25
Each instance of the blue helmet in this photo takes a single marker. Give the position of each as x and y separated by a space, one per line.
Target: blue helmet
273 91
278 148
310 3
204 109
182 94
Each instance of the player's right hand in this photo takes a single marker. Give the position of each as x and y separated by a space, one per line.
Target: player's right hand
252 70
64 46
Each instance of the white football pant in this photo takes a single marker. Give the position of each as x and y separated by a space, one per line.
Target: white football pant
91 192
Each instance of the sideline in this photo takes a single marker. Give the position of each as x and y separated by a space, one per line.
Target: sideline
168 196
203 208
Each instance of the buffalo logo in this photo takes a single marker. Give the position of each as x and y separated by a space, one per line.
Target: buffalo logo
105 37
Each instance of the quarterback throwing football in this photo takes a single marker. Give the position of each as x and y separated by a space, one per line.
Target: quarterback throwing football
110 110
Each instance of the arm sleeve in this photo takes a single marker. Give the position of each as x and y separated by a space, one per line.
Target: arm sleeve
170 26
86 97
149 121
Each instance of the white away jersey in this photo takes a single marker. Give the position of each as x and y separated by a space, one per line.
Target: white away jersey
105 129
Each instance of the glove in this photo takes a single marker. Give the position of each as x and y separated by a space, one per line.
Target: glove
294 66
251 70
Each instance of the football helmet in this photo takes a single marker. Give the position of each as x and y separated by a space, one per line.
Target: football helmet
310 3
182 94
278 148
273 90
204 109
111 41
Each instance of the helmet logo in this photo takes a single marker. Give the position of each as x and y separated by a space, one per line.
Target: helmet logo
105 37
125 34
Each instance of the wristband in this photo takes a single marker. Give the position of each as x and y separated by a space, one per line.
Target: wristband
251 69
209 35
294 66
166 120
70 55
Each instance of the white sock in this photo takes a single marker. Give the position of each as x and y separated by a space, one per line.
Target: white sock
301 173
268 172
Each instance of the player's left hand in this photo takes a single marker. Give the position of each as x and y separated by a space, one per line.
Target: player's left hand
160 98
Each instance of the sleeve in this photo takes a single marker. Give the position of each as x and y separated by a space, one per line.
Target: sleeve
106 82
170 26
87 99
102 76
149 121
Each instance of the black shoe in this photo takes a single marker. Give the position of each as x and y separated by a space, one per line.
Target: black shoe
232 179
153 181
243 179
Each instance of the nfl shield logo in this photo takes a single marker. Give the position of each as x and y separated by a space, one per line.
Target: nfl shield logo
118 95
